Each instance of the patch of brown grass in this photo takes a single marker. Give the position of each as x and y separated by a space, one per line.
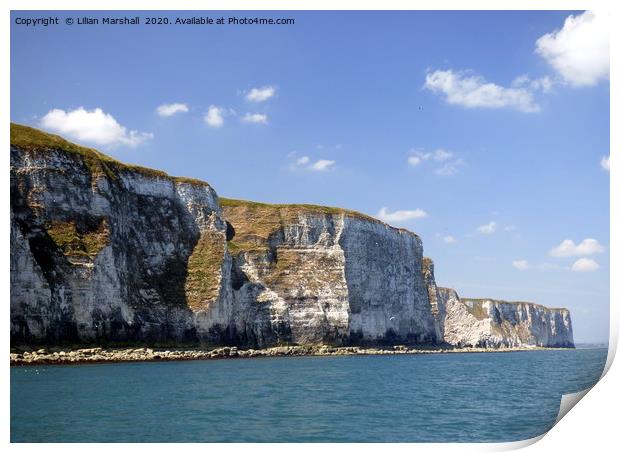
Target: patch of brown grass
204 270
75 243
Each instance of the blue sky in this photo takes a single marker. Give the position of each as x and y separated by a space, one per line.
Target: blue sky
468 128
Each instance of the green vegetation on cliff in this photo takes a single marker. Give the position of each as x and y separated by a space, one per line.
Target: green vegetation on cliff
302 208
34 140
76 243
204 270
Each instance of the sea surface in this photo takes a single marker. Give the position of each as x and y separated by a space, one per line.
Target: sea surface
475 397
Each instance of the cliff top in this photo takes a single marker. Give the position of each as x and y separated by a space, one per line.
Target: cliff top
308 208
255 222
480 301
36 141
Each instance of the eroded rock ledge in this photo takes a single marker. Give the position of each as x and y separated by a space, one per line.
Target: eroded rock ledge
106 253
57 356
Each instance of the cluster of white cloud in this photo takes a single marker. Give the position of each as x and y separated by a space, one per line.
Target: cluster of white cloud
92 126
472 91
172 109
567 249
449 164
578 52
215 116
258 95
449 239
319 165
100 128
400 216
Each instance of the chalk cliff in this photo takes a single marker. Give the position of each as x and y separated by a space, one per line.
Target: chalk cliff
495 323
103 252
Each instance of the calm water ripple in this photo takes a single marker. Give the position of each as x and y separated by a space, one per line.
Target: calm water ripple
482 397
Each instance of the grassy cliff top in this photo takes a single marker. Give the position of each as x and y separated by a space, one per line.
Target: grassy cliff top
36 141
306 208
255 222
480 301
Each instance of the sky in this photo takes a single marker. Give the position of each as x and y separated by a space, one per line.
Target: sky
487 133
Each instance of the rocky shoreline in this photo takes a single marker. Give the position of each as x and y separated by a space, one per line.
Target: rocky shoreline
56 356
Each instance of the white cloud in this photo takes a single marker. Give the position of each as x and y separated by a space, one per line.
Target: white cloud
567 248
257 118
171 109
510 228
94 126
400 216
449 239
450 165
524 265
489 228
585 265
414 160
460 88
215 116
605 163
322 165
260 94
521 264
579 51
306 163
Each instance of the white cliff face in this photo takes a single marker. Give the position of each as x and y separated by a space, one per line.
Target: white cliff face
493 323
461 327
328 276
102 253
387 296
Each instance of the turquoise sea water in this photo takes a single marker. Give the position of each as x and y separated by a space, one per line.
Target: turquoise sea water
485 397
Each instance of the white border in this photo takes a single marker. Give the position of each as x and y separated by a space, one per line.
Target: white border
592 426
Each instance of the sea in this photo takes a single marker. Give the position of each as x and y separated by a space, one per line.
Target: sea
456 397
